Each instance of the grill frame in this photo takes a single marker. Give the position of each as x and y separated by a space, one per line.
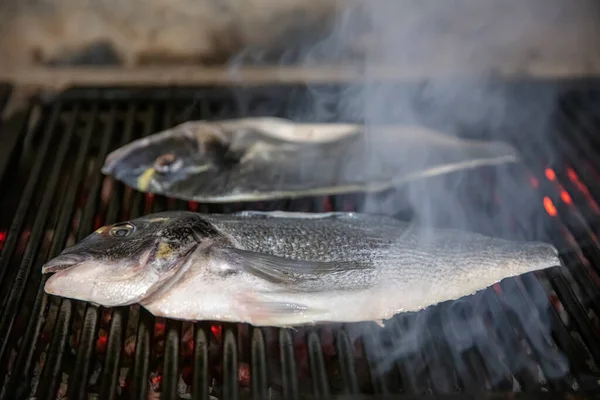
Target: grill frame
49 381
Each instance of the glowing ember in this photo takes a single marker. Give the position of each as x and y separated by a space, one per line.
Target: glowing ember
216 330
572 175
549 206
550 174
566 197
101 342
159 329
97 222
583 189
534 182
244 374
2 239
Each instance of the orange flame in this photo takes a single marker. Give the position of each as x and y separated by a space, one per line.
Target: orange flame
572 175
566 197
549 206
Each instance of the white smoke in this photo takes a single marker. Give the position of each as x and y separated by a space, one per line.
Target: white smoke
440 64
454 65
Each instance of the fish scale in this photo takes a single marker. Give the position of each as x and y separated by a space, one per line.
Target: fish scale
282 269
326 243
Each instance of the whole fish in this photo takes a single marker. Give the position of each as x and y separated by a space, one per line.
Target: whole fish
284 269
256 159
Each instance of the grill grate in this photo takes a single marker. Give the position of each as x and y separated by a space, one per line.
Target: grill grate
496 340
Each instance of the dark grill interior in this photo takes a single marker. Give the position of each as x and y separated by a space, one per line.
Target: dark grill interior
533 334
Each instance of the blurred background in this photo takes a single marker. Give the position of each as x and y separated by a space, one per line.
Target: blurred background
532 37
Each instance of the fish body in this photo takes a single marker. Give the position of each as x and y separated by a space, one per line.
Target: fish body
284 269
256 159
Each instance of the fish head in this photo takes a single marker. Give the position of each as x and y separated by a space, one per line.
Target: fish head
123 263
158 162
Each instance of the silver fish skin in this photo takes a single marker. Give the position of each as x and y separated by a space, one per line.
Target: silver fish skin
256 159
285 269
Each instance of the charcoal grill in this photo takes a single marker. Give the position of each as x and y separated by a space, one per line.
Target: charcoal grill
533 335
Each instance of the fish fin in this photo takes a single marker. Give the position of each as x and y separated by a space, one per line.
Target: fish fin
253 214
277 307
282 270
276 313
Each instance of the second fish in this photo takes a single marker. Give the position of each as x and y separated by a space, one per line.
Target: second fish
257 159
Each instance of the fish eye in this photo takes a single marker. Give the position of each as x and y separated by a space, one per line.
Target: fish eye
167 163
122 230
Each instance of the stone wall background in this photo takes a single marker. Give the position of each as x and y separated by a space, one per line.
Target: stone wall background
442 33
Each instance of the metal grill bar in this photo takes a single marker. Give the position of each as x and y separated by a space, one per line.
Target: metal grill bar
259 365
230 365
201 340
142 355
288 365
88 334
317 366
171 363
16 292
345 354
116 337
282 361
25 201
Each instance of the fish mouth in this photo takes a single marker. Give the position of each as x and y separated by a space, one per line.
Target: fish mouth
64 261
113 159
141 177
86 278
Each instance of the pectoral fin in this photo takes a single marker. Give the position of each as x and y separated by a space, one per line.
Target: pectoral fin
282 270
274 308
265 312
